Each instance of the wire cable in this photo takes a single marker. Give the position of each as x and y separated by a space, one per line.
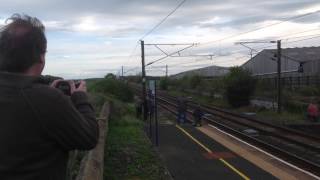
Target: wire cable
235 35
263 27
133 51
301 32
318 36
155 27
163 20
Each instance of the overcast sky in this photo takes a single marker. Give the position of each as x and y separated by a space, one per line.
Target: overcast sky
92 38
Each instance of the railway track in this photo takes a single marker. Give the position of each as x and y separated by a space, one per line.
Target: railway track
296 147
293 146
288 134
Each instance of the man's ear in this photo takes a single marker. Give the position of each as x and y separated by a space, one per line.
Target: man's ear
42 61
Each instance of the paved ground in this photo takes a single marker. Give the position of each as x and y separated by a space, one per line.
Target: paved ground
191 155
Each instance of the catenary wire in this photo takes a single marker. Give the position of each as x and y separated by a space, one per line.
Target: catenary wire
260 28
163 20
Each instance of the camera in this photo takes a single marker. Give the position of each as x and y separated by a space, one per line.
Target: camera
65 87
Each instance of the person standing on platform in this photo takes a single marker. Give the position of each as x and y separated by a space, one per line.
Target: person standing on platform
182 108
138 106
197 115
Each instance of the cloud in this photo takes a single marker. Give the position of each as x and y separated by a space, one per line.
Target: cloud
85 33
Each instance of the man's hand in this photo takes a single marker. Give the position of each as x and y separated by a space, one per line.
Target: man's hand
82 87
55 82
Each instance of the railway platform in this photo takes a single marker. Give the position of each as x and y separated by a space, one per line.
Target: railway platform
194 153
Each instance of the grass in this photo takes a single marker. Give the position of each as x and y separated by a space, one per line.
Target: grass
129 153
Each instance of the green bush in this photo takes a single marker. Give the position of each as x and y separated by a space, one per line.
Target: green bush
114 87
184 83
97 100
110 76
135 79
309 91
216 86
295 107
291 104
164 83
239 87
194 81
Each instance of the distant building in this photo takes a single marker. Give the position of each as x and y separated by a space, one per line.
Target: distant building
211 71
265 62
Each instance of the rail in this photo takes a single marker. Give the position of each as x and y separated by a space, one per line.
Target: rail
223 113
273 148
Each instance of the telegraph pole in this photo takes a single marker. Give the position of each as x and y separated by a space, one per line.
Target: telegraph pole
122 71
143 82
166 70
279 75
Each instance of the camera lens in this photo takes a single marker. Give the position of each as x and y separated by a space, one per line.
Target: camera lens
64 86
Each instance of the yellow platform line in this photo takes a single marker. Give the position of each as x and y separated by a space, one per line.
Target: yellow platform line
209 151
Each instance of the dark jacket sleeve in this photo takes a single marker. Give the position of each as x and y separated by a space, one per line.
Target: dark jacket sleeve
70 121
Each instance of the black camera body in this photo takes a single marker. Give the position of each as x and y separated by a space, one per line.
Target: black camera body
65 87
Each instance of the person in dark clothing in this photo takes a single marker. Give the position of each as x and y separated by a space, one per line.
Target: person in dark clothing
182 108
197 115
39 124
138 106
150 105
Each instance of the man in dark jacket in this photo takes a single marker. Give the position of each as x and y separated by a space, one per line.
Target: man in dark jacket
197 115
38 123
182 108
